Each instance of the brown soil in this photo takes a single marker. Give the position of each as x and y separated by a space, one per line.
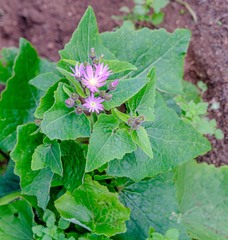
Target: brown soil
48 24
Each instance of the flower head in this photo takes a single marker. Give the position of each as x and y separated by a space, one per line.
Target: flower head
103 70
93 79
93 104
78 70
113 85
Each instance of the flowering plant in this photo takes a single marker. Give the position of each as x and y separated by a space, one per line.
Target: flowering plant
98 160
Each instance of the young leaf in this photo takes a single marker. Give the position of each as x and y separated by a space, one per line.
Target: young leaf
120 95
47 101
48 155
45 80
16 221
141 138
35 183
73 164
113 142
117 66
152 203
8 56
202 195
84 38
173 143
143 102
93 207
60 122
146 49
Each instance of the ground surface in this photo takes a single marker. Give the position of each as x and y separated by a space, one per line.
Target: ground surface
48 24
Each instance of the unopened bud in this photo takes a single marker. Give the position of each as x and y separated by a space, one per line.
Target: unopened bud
113 85
69 103
141 118
74 96
108 97
102 93
138 121
92 53
96 61
130 121
79 110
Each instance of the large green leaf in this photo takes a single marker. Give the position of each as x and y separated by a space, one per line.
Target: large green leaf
203 198
125 90
35 183
7 57
107 142
20 99
9 182
60 122
48 154
146 49
73 164
84 38
173 143
93 207
45 80
143 102
153 204
16 221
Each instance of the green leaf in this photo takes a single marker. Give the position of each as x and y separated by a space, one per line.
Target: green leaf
48 155
45 80
84 38
120 95
8 56
35 183
173 143
157 18
16 106
60 122
141 138
16 221
203 198
152 203
143 102
73 164
9 182
93 207
157 5
46 102
113 142
146 49
117 66
49 218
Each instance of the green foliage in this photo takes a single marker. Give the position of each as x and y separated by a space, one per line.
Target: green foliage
109 175
93 207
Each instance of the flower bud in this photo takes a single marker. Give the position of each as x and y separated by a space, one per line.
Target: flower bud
102 93
92 53
113 85
141 118
69 103
74 96
79 110
138 122
130 121
108 97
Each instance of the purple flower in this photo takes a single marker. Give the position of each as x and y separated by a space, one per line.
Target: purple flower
93 79
69 103
94 104
103 70
78 71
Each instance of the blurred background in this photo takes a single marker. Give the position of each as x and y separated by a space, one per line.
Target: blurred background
49 24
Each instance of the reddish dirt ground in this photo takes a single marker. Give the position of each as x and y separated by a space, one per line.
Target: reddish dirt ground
48 24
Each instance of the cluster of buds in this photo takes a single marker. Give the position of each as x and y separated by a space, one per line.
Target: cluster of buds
135 122
91 78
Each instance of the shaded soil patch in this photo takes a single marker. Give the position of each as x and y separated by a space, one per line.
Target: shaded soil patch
48 24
